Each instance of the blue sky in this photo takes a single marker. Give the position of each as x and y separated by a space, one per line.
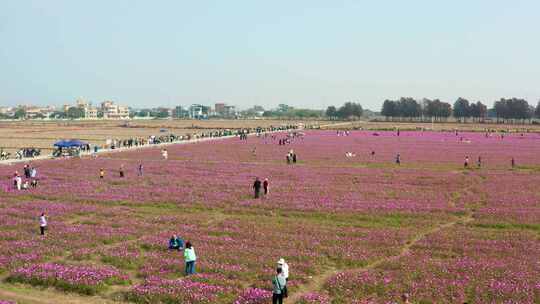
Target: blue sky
303 53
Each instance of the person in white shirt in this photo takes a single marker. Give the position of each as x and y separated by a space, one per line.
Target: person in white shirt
25 185
284 266
42 224
33 172
165 154
18 182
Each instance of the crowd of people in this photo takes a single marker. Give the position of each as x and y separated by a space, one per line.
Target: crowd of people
30 178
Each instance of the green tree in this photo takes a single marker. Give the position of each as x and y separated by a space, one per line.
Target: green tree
20 113
389 109
331 112
350 110
75 112
537 111
462 109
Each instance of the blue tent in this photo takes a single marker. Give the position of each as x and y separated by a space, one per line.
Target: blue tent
69 143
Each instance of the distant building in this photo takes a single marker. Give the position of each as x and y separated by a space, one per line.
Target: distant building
179 112
33 112
224 110
113 111
220 108
196 111
90 112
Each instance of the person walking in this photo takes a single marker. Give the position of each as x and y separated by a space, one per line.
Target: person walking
121 171
294 158
398 159
190 258
266 184
257 187
101 173
278 284
165 154
466 163
42 223
479 162
513 162
140 169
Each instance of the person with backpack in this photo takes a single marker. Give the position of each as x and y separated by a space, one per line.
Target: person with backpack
278 285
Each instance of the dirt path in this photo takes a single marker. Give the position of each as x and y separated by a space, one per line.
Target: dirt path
317 283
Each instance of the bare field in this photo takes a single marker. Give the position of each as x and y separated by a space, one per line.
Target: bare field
42 135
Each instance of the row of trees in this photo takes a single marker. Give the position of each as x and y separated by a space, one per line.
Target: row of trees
464 110
349 110
407 108
505 110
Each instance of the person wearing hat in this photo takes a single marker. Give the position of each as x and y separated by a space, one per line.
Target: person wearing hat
285 267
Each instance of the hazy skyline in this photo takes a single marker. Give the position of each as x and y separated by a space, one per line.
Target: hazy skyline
303 53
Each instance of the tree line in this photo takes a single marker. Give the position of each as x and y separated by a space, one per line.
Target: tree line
505 110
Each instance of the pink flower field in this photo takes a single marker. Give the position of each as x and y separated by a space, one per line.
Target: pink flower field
359 229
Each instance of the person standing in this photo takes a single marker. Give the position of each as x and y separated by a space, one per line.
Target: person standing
121 171
479 162
42 223
26 171
466 163
278 284
18 182
165 154
190 258
101 173
284 267
294 158
257 187
513 162
140 169
33 172
266 184
398 159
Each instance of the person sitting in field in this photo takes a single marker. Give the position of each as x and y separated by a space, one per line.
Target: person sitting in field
176 243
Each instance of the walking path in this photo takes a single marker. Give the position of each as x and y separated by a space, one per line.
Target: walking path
317 283
123 149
